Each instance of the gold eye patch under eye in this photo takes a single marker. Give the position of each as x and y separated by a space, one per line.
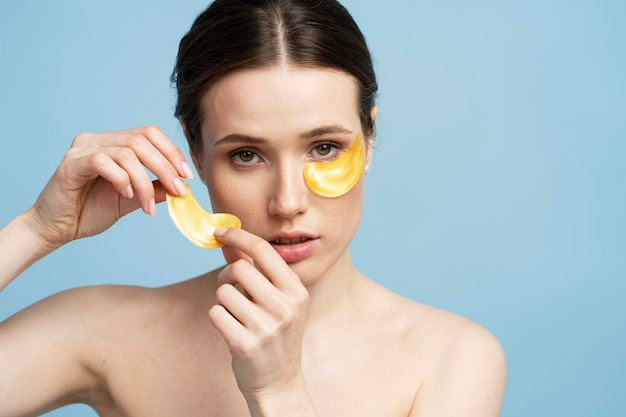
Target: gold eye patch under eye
335 178
195 223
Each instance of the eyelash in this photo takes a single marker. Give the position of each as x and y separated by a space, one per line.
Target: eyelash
332 154
236 155
239 152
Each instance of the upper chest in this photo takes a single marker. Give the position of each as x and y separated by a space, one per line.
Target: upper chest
188 372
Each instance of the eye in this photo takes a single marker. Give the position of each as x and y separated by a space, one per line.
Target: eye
325 151
336 177
245 157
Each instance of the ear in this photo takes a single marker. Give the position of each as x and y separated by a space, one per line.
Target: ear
194 156
370 139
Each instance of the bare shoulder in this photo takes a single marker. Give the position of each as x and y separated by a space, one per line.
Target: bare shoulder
449 334
114 310
427 327
58 337
459 365
461 348
468 374
424 322
90 318
101 303
77 307
77 338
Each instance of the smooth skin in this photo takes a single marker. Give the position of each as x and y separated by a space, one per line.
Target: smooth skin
259 336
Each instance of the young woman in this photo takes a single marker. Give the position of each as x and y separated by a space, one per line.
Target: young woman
289 326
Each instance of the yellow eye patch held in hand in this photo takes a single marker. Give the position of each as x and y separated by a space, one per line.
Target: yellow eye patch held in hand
196 224
335 178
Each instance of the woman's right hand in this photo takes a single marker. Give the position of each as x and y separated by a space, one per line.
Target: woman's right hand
103 177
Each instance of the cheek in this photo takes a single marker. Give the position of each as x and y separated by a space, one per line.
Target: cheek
238 195
335 178
343 214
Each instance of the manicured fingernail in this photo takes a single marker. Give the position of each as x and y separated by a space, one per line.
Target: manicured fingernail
152 207
186 170
220 232
178 184
129 191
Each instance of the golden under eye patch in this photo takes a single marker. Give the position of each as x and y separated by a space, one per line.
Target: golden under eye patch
196 224
335 178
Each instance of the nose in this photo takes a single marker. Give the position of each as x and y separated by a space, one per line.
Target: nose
289 193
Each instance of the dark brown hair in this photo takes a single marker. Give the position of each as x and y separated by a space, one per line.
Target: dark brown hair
236 34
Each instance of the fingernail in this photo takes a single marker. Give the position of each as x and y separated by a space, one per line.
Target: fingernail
152 208
178 184
129 191
220 232
184 166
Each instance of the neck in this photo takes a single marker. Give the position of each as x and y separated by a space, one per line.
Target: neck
335 292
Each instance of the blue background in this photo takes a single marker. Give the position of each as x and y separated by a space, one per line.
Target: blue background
497 189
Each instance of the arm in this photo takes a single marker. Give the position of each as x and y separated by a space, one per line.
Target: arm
42 357
469 381
101 178
21 247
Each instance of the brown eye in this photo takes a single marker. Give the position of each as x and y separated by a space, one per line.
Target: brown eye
333 176
323 149
246 156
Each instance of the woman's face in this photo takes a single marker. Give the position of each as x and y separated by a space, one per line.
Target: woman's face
261 128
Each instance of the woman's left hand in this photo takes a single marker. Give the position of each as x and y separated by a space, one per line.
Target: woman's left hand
261 307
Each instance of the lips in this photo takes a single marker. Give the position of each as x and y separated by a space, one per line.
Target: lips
293 248
287 241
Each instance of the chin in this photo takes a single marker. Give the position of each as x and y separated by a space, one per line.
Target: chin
312 270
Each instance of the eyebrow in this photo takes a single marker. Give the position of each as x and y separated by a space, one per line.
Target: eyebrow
310 134
324 130
239 138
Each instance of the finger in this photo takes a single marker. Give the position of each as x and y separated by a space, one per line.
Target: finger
149 155
252 284
159 141
129 205
231 255
263 255
240 307
141 185
229 327
121 168
167 148
80 170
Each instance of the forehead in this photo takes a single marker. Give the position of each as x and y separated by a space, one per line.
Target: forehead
280 100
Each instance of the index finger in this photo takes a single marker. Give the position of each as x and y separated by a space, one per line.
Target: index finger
262 254
162 143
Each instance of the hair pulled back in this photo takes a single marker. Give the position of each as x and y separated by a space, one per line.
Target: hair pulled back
236 34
